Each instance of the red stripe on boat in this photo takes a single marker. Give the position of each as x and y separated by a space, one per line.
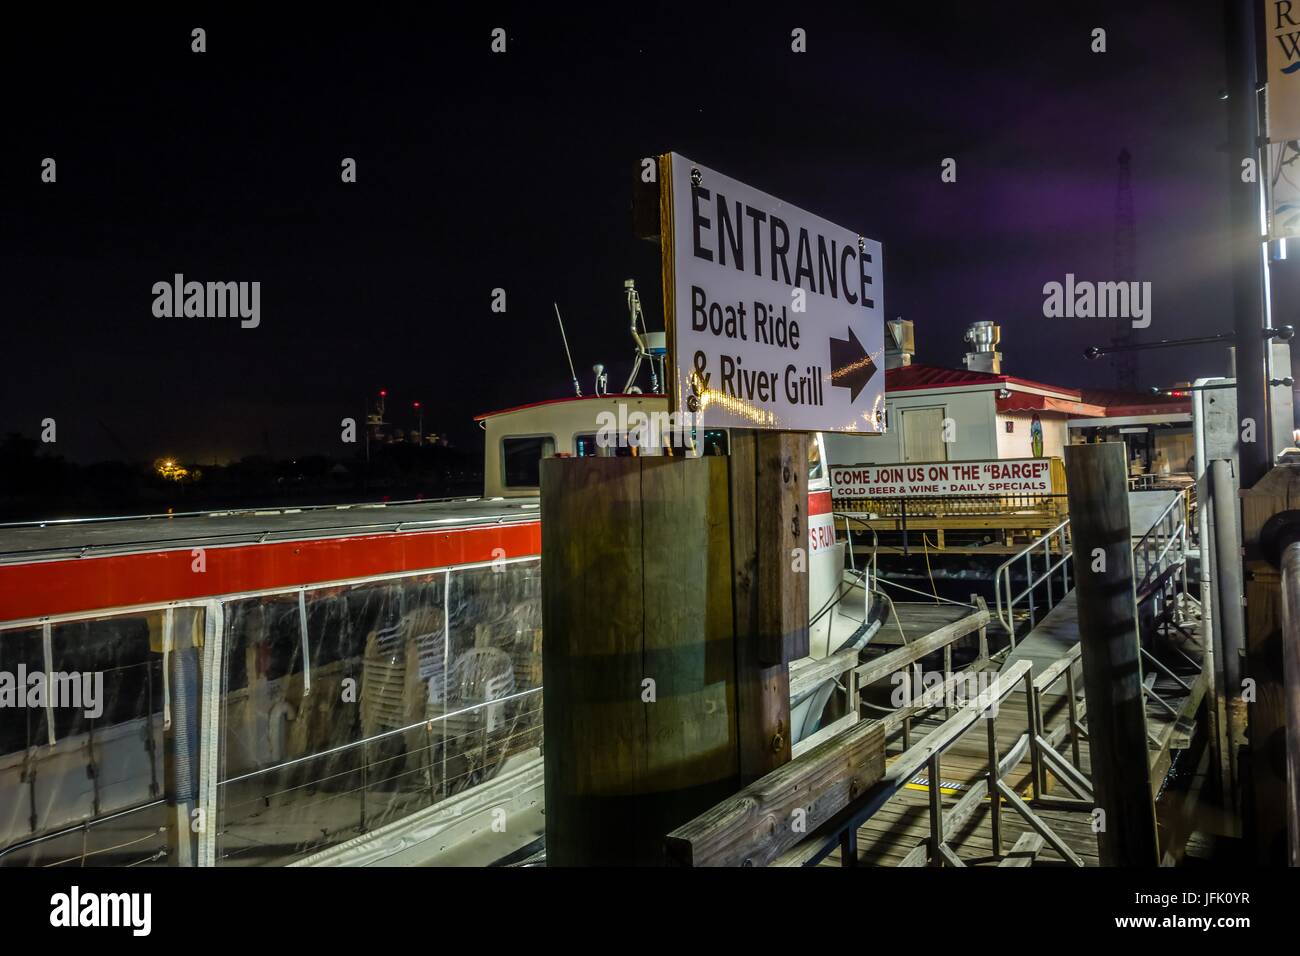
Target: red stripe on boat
47 588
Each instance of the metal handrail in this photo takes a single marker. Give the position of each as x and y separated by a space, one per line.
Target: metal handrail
86 825
1167 532
366 741
83 826
1153 482
842 830
906 659
1167 535
1002 577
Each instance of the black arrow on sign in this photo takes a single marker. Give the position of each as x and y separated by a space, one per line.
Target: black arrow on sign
851 366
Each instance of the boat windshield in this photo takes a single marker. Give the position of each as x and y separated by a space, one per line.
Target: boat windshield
815 469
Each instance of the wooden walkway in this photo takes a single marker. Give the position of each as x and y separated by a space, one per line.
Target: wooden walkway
1169 725
903 824
920 617
1054 636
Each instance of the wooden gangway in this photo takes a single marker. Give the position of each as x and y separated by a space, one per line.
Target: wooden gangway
898 833
1011 722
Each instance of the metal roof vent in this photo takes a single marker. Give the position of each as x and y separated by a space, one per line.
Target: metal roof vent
900 343
984 338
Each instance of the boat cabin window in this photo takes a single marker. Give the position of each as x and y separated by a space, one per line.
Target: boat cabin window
523 459
586 446
715 442
815 470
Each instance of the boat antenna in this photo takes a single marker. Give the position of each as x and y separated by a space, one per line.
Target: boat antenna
577 389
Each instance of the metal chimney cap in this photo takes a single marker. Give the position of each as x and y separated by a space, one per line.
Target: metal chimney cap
984 335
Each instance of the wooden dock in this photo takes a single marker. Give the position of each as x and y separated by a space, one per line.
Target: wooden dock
896 831
918 617
899 832
982 754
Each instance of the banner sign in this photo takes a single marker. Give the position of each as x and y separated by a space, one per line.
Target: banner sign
774 315
1282 38
1020 476
1283 190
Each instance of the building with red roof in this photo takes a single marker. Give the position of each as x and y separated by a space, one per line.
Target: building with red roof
933 413
1157 427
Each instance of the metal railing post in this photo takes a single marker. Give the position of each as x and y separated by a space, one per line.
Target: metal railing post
365 784
1011 611
1065 564
849 846
1073 714
936 808
1032 718
429 756
995 798
1030 584
902 508
1047 574
947 680
1183 548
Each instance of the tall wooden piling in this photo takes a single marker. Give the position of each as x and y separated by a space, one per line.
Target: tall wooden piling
639 697
768 473
674 596
1112 666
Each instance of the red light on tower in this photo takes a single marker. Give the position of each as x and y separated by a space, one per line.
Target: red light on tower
383 393
415 404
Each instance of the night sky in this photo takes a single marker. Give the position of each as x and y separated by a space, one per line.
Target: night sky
478 170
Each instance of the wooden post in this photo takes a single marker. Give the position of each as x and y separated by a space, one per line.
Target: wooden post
936 808
636 588
1263 765
995 799
1112 668
768 477
769 520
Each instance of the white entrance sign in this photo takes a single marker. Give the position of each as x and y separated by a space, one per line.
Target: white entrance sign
774 315
1020 476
